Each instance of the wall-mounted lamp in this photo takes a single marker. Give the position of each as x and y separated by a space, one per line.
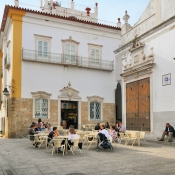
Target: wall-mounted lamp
6 92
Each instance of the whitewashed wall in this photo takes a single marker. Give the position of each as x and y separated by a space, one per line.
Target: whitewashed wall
52 78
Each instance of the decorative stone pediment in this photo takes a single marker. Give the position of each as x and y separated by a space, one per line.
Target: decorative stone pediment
41 94
95 98
70 40
69 93
138 63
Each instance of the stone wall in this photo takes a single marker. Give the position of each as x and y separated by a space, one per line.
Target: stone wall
108 114
20 116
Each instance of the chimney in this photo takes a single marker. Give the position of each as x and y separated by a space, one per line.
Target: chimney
88 11
46 3
16 3
119 24
51 3
72 4
96 9
41 4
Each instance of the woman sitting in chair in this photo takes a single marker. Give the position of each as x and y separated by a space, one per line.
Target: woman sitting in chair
72 136
112 132
105 132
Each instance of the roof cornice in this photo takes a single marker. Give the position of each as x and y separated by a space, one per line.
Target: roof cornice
7 8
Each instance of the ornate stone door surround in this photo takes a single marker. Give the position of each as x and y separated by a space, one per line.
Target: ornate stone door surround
69 94
139 67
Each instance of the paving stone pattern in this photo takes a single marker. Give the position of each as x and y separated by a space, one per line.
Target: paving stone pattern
18 157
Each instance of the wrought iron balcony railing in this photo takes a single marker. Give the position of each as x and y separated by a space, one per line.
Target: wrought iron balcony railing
55 58
7 61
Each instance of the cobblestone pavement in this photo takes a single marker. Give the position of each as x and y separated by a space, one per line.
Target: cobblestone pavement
18 157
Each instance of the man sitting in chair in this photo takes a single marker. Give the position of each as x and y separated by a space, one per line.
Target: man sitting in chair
169 131
32 132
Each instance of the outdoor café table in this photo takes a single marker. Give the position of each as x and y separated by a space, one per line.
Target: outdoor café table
66 141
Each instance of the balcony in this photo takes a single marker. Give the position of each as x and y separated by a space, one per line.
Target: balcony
7 61
67 60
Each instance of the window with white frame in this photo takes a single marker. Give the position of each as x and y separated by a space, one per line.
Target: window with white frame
95 111
41 108
43 45
95 107
41 104
70 50
95 54
42 48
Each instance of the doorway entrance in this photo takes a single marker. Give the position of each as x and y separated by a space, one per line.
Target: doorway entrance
138 105
69 114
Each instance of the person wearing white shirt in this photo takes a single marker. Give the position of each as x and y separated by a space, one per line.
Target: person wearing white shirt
72 135
105 132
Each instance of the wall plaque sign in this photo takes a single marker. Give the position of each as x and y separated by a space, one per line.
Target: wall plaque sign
166 79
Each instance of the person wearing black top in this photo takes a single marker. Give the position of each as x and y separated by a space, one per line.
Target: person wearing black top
107 125
169 131
97 127
32 132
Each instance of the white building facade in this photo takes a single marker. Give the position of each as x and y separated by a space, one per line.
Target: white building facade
145 69
60 69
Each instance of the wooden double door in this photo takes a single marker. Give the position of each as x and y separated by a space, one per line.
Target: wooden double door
138 105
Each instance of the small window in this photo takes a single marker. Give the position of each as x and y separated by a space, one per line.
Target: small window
95 111
41 108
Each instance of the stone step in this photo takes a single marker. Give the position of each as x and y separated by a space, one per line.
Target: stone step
165 142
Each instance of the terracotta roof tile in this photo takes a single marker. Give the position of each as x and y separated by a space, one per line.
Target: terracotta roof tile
7 7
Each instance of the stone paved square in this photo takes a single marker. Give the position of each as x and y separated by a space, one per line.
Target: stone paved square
21 158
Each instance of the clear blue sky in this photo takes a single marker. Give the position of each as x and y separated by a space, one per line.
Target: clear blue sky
109 10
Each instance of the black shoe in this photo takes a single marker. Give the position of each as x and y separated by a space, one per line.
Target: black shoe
161 140
170 141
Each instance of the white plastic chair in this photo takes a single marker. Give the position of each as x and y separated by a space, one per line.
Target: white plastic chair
75 145
91 141
40 140
57 144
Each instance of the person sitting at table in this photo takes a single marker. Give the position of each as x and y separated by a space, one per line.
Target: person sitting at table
121 128
72 136
117 127
97 127
105 132
32 132
32 124
107 125
112 132
53 133
48 128
39 125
